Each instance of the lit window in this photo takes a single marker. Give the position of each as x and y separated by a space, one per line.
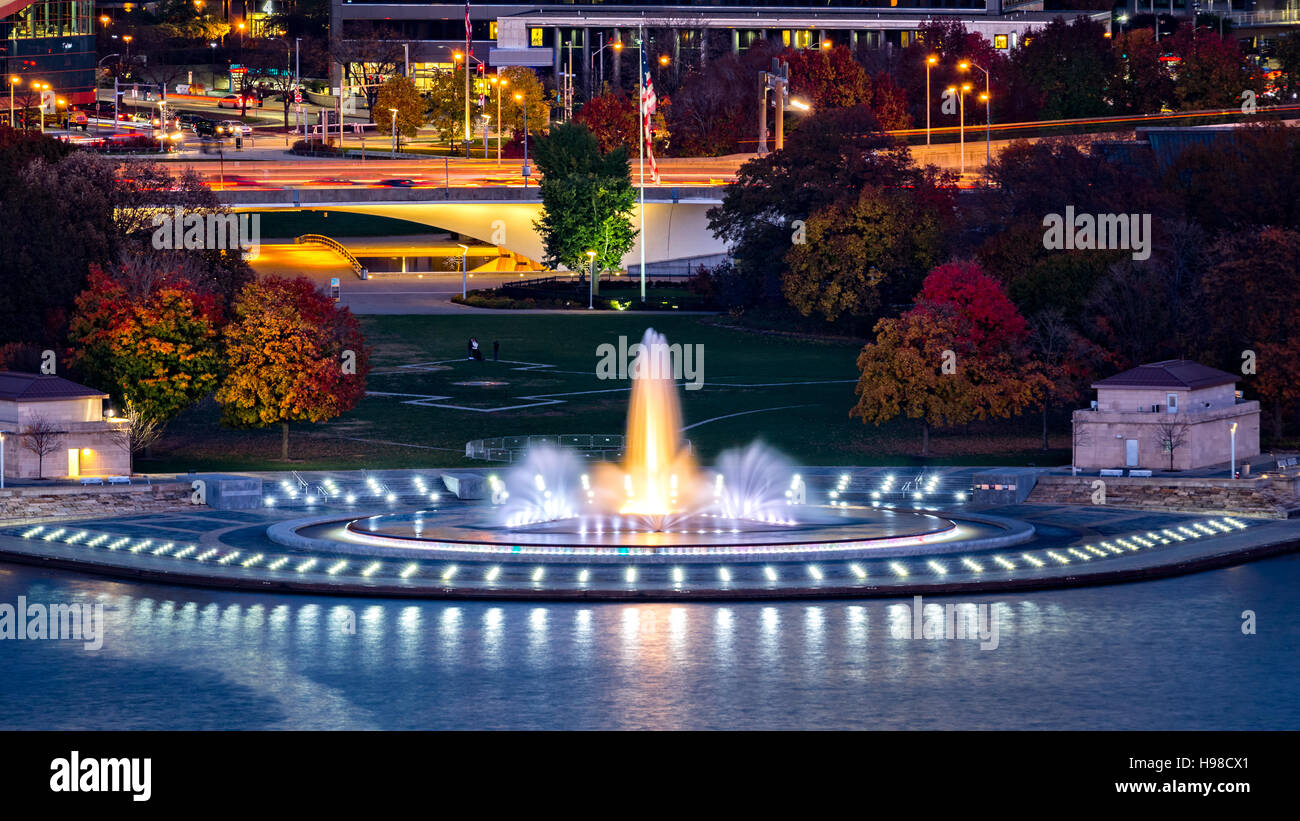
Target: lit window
492 30
535 37
999 41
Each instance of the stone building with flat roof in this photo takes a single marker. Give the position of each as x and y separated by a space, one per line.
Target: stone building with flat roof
1140 413
81 441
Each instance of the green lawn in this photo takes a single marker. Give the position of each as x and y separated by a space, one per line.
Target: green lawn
756 375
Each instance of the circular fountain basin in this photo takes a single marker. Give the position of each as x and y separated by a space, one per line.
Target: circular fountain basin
837 533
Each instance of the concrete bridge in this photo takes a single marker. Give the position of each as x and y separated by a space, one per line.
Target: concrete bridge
676 221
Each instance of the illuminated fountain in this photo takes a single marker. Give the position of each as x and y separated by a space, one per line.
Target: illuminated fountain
657 502
658 487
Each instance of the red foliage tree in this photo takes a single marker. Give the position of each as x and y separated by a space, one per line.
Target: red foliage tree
992 319
828 78
611 117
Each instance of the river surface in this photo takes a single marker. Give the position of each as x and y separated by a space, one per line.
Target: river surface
1154 655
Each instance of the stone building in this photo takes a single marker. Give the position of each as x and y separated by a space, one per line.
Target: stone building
1139 413
80 441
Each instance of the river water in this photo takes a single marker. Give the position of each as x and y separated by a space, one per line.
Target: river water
1155 655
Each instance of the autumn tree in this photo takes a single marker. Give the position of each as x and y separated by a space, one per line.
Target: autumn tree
1142 84
1067 67
399 93
1252 294
291 355
834 155
861 252
947 363
156 352
1213 72
828 78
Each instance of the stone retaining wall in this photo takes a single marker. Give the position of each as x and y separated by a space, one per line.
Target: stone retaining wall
1220 496
20 505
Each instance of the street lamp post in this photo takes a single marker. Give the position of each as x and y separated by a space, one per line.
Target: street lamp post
1232 464
929 63
40 88
500 83
13 81
960 91
591 283
2 457
616 45
464 268
394 112
988 112
519 98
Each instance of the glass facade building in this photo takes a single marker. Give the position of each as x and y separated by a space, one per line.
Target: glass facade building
52 41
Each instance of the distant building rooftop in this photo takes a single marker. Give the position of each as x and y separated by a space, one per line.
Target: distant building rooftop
1171 373
34 387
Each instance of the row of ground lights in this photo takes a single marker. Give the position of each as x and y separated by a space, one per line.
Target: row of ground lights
334 566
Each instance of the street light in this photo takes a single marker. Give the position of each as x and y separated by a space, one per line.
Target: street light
394 111
966 65
961 115
126 38
1232 465
591 284
929 63
2 457
39 87
519 98
616 45
13 81
500 83
464 267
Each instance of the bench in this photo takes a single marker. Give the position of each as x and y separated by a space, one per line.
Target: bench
1142 473
92 480
119 480
1112 472
1286 462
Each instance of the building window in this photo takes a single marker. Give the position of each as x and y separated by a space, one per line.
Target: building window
999 41
1171 402
535 37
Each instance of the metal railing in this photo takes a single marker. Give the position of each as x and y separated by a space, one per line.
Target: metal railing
1264 18
574 279
334 245
593 447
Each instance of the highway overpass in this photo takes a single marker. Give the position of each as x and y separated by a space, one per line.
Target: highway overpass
676 221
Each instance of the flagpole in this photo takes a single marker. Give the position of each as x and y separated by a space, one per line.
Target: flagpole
640 33
468 45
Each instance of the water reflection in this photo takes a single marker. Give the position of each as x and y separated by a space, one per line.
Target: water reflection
246 661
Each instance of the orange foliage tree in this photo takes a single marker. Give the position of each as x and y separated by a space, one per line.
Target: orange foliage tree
292 355
959 355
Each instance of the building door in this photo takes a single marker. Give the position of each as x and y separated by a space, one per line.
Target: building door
1131 453
74 463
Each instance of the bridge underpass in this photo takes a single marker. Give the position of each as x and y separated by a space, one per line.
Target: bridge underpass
676 221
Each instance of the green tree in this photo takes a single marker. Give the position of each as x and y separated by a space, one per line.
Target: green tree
399 93
587 200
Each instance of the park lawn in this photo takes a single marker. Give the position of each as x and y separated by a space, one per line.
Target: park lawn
793 392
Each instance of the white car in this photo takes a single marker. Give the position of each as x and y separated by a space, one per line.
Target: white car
237 129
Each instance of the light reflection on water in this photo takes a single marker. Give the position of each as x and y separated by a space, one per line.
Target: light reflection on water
1162 654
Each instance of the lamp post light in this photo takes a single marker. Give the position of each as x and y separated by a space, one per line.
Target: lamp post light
929 64
1232 464
986 97
2 457
487 118
464 268
13 81
616 45
127 38
500 83
39 88
519 98
591 283
394 113
960 91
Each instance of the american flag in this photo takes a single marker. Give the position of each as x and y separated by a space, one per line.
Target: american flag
469 42
648 103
